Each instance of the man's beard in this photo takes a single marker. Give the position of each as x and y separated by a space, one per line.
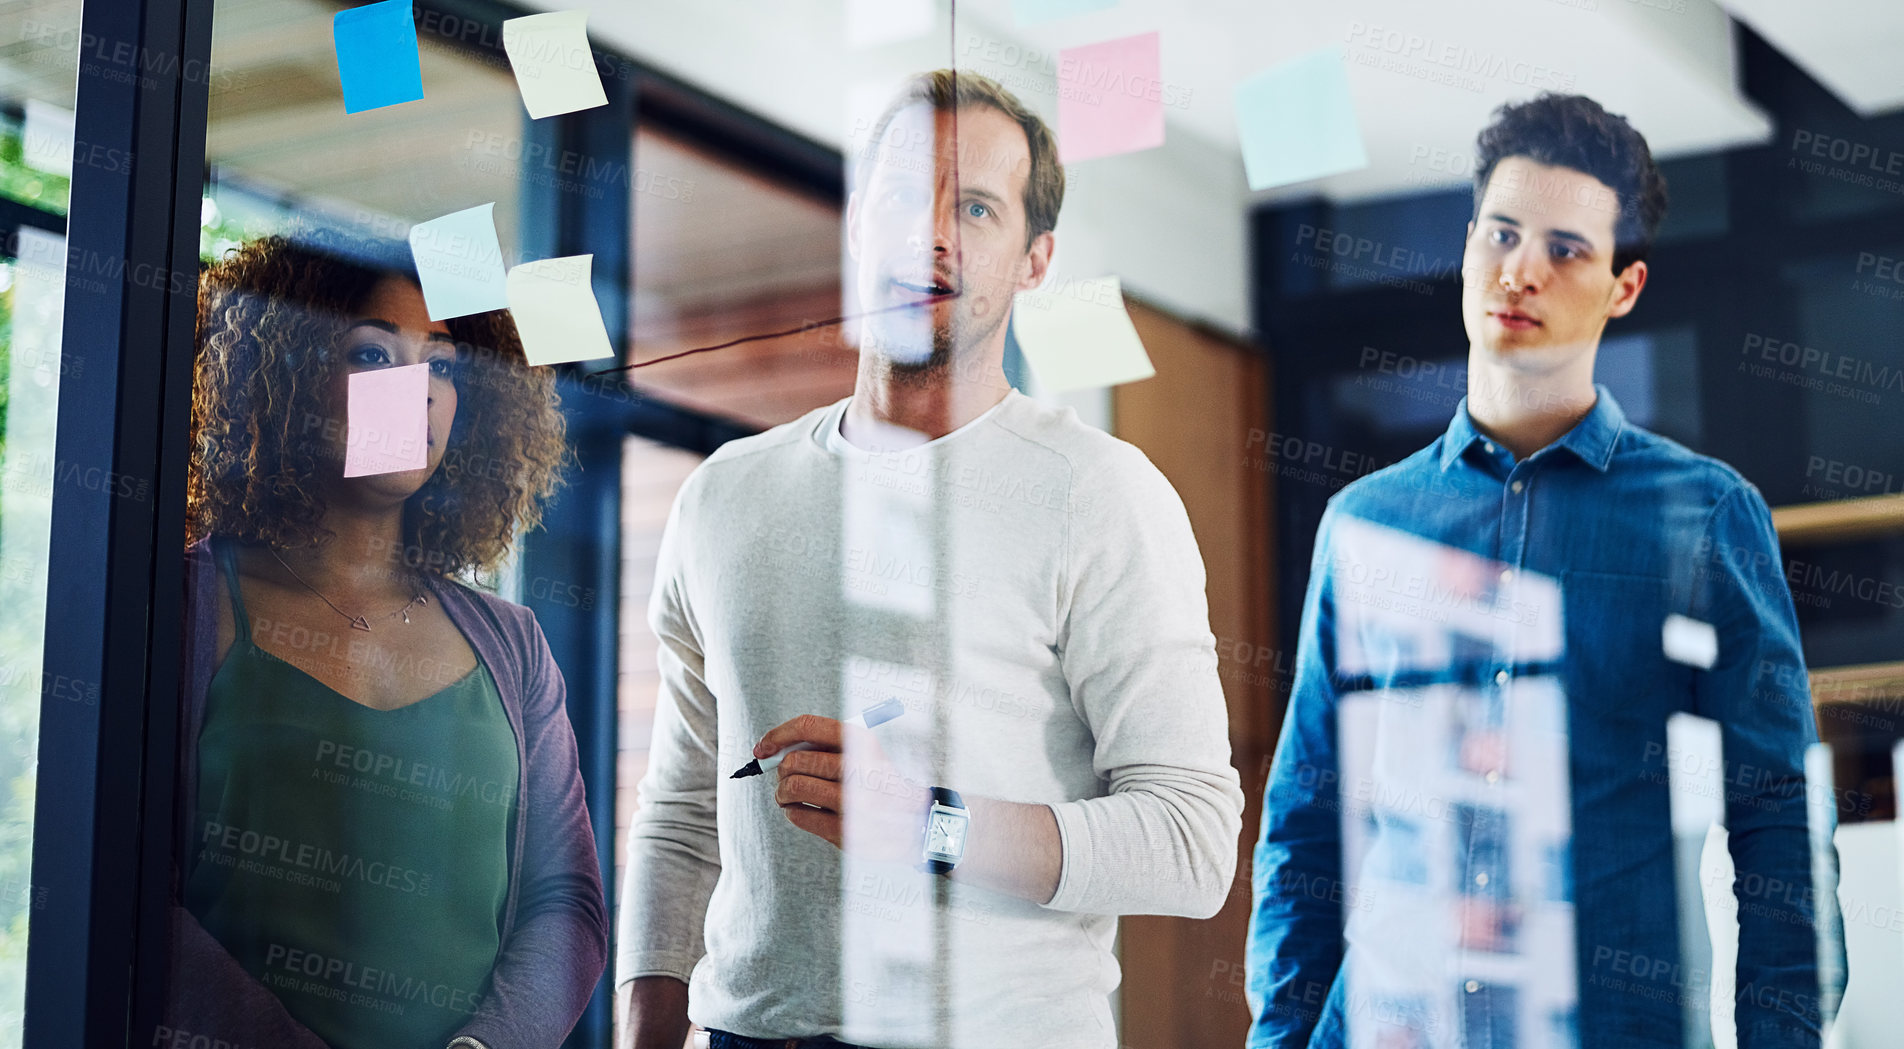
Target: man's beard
907 365
927 370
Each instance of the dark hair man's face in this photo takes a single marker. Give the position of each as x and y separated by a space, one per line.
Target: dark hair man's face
939 226
1537 277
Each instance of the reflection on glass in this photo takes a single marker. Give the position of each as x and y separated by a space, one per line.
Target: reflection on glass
385 841
32 297
1456 825
38 78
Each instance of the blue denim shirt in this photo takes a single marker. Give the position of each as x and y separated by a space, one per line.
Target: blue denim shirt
1634 528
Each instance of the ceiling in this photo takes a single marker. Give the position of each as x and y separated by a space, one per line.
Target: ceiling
1669 65
711 237
1853 47
1671 74
277 119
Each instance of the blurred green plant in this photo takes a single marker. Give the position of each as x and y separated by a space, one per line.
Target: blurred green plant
21 586
25 184
218 234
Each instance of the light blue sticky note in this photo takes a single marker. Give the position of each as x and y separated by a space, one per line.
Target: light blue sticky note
1033 12
459 263
1297 121
377 55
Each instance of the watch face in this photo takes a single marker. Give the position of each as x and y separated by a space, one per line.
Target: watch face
945 835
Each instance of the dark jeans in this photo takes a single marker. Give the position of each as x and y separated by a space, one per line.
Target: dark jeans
724 1040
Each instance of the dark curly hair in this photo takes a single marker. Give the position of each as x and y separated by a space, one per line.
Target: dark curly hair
270 315
1574 131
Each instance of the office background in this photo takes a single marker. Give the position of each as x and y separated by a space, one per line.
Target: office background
1302 336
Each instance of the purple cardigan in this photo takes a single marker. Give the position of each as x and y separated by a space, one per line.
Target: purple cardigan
555 920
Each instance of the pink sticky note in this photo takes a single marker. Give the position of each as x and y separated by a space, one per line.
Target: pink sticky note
1110 98
389 422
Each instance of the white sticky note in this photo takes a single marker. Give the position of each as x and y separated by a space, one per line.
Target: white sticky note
1897 776
46 142
870 23
553 303
1077 335
1689 641
1693 761
388 422
459 263
555 69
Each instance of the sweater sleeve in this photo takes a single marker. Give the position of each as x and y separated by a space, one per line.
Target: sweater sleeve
1140 661
558 947
673 849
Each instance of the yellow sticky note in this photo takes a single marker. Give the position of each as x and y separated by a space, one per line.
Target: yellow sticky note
1076 335
556 314
555 69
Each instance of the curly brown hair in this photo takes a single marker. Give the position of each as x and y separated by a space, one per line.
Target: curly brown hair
270 314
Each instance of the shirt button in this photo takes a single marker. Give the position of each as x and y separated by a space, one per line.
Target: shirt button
1489 445
1517 486
1507 575
1473 986
1500 677
1481 878
1493 776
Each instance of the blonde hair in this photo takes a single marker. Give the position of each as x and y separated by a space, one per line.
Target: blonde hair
948 89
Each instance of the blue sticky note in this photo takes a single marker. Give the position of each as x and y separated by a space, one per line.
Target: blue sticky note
1297 121
459 263
1033 12
377 55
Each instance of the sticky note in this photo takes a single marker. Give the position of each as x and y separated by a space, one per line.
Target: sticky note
46 140
553 303
1036 12
389 421
1110 98
459 263
377 55
555 69
1077 335
1695 754
870 23
1897 776
1297 121
1689 641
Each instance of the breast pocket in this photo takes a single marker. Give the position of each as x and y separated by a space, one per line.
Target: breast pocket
1616 662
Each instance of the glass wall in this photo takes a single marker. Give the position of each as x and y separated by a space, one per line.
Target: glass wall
382 827
37 77
561 424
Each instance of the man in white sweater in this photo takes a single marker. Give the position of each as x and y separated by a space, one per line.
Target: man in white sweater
1026 587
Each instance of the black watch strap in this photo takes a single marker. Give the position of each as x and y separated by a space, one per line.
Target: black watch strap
950 798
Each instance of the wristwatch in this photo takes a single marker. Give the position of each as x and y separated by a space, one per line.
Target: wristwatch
946 823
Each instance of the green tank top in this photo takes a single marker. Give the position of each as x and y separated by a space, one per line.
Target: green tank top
353 860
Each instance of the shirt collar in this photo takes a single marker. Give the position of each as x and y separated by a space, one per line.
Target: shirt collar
1591 440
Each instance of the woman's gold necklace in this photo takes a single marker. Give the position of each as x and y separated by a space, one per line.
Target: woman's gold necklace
356 622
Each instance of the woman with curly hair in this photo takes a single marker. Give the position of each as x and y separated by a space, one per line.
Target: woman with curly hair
381 811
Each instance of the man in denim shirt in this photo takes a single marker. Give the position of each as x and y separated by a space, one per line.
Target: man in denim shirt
1540 476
